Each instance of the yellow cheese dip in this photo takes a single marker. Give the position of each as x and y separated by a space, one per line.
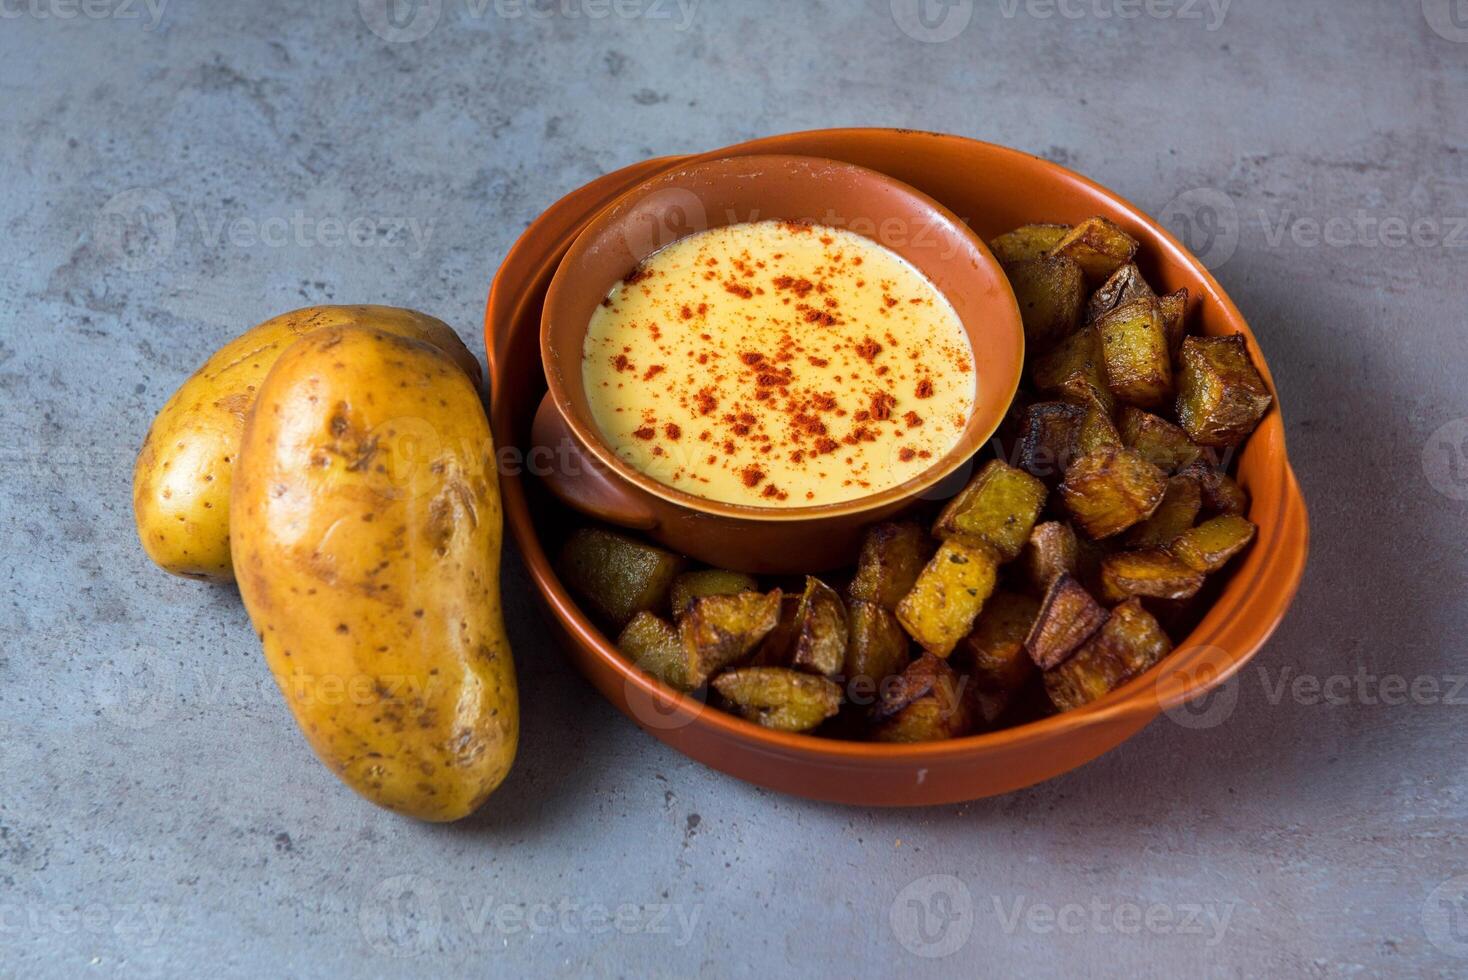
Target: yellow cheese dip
778 364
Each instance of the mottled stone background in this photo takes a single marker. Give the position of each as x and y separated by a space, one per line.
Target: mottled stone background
174 173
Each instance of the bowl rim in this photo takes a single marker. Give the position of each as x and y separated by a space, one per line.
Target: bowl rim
1187 672
976 433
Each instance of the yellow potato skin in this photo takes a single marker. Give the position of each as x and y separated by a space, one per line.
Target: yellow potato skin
365 535
181 481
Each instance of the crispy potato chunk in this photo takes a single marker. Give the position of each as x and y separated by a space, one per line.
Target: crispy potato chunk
720 630
1047 441
1134 347
999 665
949 595
877 648
1027 242
1126 284
1164 445
1221 492
1107 492
926 703
811 634
619 576
1180 506
1174 310
1075 371
1128 645
709 581
779 698
1051 293
652 643
1050 553
998 508
1220 397
1067 618
892 555
1153 573
1096 432
1209 546
1099 247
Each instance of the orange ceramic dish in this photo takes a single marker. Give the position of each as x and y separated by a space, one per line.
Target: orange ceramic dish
994 189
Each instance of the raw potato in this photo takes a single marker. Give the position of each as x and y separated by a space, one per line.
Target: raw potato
1164 445
1209 546
779 698
1051 293
1125 285
710 581
652 643
928 703
1220 397
184 471
1075 371
1067 618
877 647
365 532
948 596
892 556
1155 574
720 630
998 508
1109 491
1099 247
1134 347
1052 551
999 665
1027 242
1128 645
1181 503
619 576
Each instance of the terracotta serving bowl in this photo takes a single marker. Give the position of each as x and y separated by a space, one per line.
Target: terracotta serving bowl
590 476
994 189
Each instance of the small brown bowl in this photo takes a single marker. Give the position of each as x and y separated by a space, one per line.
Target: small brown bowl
589 476
995 189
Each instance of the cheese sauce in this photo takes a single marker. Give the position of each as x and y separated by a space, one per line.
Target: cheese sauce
777 364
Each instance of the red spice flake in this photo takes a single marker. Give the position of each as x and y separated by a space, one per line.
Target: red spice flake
712 459
738 289
773 379
818 361
751 357
906 454
925 388
863 416
882 404
653 372
706 402
808 424
798 456
825 319
607 302
826 239
637 275
913 420
796 226
924 454
771 490
658 451
856 260
916 301
882 371
672 431
751 475
646 432
621 362
702 358
740 429
702 308
800 286
868 349
889 301
686 312
729 447
824 402
827 445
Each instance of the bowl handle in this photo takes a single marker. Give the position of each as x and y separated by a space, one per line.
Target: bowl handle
578 479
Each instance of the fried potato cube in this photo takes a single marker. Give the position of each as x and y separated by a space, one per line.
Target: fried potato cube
1051 294
1153 573
1181 503
1096 432
1075 371
1174 310
1164 445
1129 644
1051 552
926 703
720 630
949 595
1108 491
1067 618
998 508
1126 284
999 665
1047 441
1221 492
1134 348
877 647
709 581
1220 397
1209 546
1099 247
811 634
1027 242
891 557
780 698
619 576
652 643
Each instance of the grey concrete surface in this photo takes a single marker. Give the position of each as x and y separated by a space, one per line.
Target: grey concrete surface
175 171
